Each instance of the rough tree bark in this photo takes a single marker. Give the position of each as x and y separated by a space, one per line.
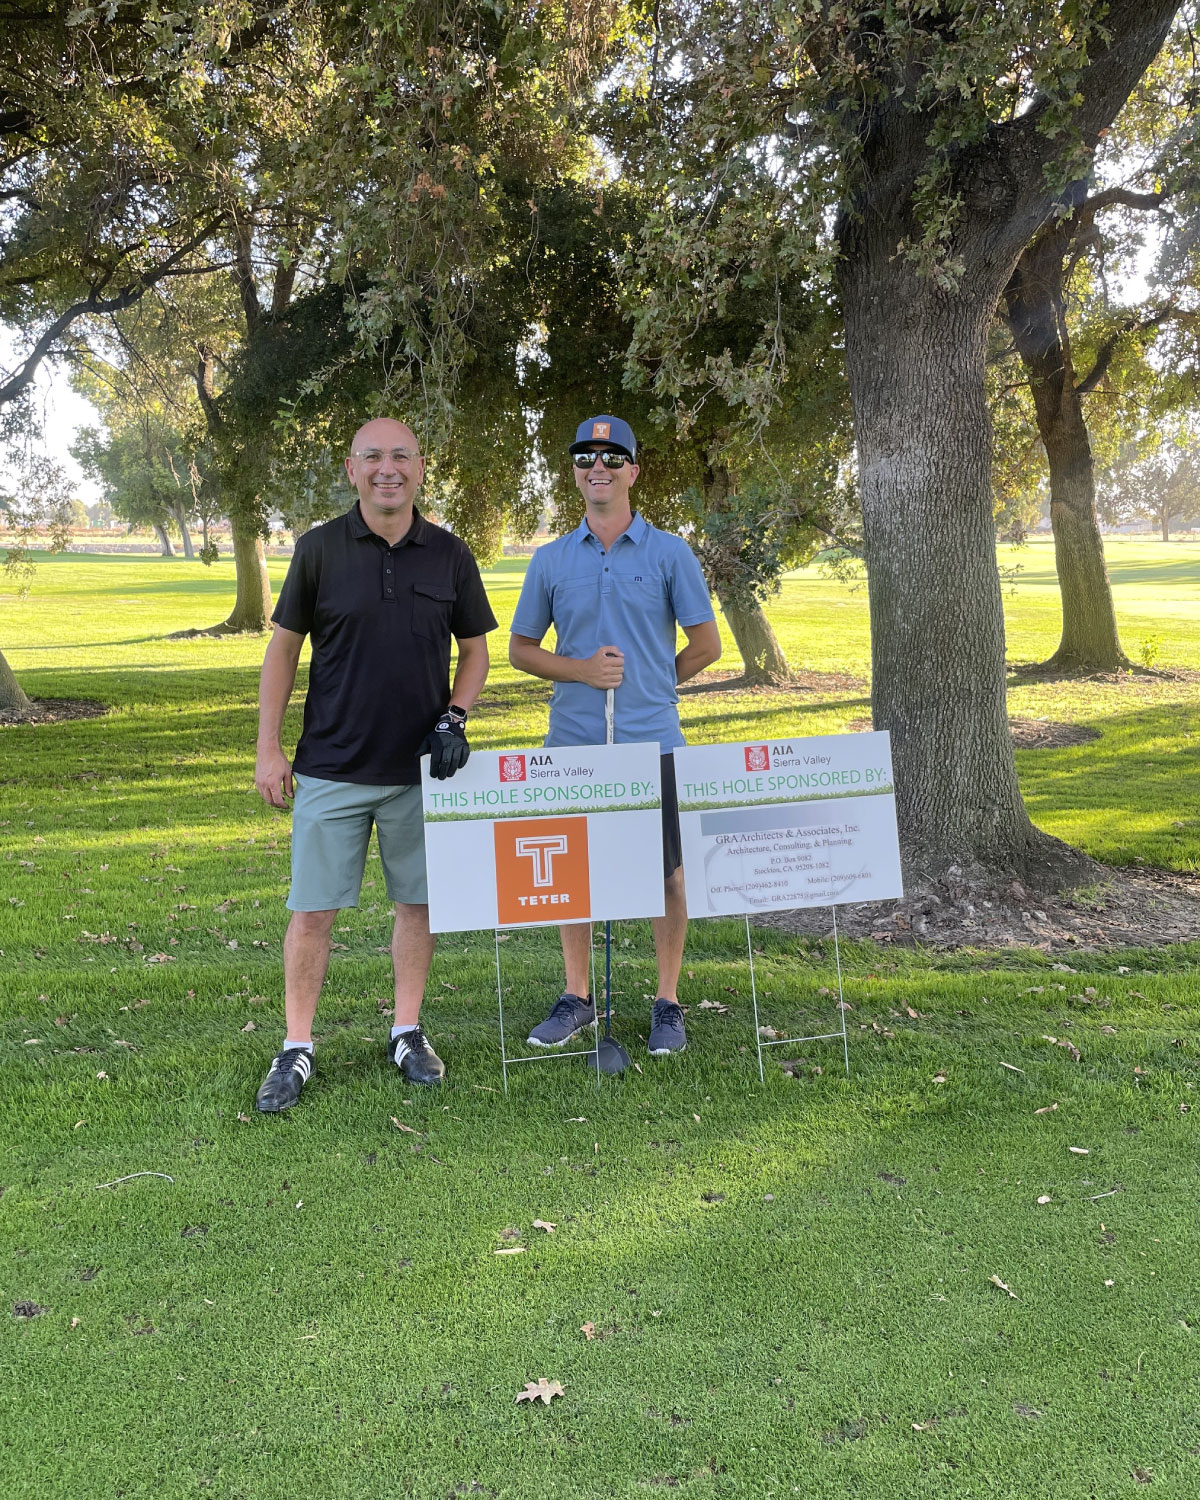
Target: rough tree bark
915 352
166 545
1035 310
252 607
763 658
12 694
252 604
181 520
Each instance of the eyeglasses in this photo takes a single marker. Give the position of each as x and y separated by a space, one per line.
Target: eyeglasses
609 459
376 455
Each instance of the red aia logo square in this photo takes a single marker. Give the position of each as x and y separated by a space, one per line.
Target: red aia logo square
512 768
541 870
757 758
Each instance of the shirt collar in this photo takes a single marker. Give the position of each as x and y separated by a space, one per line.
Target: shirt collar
415 533
635 531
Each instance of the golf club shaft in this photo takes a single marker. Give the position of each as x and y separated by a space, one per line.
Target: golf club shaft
609 700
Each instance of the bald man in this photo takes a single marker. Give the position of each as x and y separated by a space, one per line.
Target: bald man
380 591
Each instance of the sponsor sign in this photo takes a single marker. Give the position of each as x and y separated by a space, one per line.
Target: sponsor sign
527 837
794 822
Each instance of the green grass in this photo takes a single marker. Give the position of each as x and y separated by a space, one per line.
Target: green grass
791 1293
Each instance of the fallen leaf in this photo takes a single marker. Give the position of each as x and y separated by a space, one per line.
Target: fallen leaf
1045 1198
511 1250
399 1124
1046 1109
544 1224
1012 1067
245 1119
249 1026
939 1078
576 1119
696 1118
769 1033
588 1330
542 1390
1004 1287
75 1322
1078 1150
1110 1283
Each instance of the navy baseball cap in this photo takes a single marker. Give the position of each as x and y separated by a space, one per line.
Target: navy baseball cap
610 430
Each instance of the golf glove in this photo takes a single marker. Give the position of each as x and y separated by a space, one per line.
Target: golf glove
446 744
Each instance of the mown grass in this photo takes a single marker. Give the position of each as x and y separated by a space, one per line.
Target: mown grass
790 1294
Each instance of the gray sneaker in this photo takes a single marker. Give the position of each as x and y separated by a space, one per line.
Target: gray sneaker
571 1013
666 1029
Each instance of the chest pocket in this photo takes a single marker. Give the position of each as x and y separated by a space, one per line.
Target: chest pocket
432 607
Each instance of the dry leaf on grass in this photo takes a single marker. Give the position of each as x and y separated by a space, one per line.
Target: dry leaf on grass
1004 1287
1045 1198
544 1224
407 1129
1079 1150
588 1330
1012 1067
1046 1109
938 1078
696 1117
245 1119
511 1250
542 1390
1067 1045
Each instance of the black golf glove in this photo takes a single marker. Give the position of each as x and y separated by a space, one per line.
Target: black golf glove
446 744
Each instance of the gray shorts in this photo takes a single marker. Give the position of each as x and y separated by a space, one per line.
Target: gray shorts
331 828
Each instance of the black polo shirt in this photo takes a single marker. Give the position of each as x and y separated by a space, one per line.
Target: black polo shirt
380 619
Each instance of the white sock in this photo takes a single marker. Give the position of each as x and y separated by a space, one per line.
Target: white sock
403 1030
288 1045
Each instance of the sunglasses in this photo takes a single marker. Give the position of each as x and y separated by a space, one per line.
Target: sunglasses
609 459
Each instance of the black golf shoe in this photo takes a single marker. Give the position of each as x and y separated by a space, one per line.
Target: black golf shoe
415 1058
285 1078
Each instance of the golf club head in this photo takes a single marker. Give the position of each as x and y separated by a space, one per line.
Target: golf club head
613 1057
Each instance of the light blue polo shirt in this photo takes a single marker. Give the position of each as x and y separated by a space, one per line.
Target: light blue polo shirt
632 597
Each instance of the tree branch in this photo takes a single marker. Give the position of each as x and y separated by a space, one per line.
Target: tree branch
1108 348
95 305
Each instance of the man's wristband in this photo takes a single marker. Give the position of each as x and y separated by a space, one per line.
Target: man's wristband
459 715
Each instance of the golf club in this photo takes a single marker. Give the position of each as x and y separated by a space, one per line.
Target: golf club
610 1056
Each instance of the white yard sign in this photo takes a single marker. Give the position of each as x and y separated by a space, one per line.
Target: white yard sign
792 822
520 838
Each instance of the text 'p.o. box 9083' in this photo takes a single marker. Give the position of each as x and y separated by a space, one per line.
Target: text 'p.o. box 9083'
520 838
790 822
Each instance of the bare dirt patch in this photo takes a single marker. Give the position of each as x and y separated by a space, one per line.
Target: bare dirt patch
798 682
1027 734
1125 909
52 711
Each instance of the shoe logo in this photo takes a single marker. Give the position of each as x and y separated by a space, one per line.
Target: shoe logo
542 850
512 768
541 870
757 758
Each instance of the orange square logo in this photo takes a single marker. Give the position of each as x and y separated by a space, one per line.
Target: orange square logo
601 429
541 870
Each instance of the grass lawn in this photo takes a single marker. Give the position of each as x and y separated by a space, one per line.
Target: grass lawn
788 1286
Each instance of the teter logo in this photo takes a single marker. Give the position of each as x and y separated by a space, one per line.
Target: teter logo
757 758
541 870
601 429
512 768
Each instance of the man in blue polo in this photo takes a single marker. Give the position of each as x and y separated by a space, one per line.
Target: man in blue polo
616 589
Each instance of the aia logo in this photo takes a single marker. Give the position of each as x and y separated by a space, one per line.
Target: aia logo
757 758
512 768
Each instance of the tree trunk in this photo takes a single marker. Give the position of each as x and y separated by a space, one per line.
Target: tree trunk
762 655
12 694
1036 313
915 358
181 520
1165 518
165 542
252 608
